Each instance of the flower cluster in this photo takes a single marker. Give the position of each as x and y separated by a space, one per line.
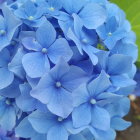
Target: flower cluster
66 69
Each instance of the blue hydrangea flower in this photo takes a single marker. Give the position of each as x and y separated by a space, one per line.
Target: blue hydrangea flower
49 124
8 25
46 47
31 14
111 32
55 87
116 66
89 102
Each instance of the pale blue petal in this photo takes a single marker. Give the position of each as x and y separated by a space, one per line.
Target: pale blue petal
60 48
99 85
61 103
57 133
8 118
46 34
119 124
90 16
80 95
119 64
25 102
81 115
31 44
74 78
34 64
21 129
100 118
41 121
6 77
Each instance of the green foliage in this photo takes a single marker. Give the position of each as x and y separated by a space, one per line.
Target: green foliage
132 10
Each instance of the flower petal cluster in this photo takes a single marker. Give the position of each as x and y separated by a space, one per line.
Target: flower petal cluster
66 69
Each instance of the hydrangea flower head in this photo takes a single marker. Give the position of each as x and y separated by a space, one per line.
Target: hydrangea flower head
66 69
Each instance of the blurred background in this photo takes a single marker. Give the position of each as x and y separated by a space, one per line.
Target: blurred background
132 10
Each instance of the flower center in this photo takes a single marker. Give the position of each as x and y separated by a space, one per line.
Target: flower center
8 102
84 40
44 50
31 18
109 34
2 32
51 9
93 101
60 119
58 84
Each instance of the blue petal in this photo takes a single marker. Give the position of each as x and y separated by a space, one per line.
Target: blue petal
34 64
44 90
55 4
8 118
63 100
30 8
42 122
25 102
99 85
60 69
119 124
119 64
4 57
21 129
54 134
81 98
100 118
77 137
72 6
6 77
46 34
31 44
120 108
122 81
81 115
14 87
105 135
74 78
15 65
89 17
60 48
12 23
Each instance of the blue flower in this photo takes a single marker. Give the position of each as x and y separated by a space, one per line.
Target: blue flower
8 25
84 10
45 47
55 87
111 32
117 66
48 123
90 101
31 14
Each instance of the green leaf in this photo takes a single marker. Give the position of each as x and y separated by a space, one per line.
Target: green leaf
132 10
